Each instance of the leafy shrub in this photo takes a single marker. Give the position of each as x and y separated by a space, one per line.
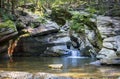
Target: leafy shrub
79 21
8 24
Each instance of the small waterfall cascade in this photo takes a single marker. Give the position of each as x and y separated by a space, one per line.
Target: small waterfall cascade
75 54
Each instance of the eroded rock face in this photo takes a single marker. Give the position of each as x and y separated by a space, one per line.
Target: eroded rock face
109 28
54 44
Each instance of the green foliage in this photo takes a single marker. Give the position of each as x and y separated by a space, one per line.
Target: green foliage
91 10
41 20
8 24
79 21
6 16
60 15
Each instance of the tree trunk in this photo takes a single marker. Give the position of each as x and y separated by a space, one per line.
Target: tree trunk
0 3
13 6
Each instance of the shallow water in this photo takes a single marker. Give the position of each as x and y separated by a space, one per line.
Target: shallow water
71 66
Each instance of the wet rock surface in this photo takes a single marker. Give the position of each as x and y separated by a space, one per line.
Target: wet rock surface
104 71
15 75
27 75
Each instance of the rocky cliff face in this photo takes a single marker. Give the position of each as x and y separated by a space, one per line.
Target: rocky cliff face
109 28
44 40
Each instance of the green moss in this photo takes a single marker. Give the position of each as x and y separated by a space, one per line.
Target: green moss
8 24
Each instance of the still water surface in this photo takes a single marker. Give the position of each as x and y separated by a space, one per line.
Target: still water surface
70 65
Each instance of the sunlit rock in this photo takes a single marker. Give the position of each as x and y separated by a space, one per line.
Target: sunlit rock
15 75
108 56
41 75
48 27
108 45
106 53
55 66
108 26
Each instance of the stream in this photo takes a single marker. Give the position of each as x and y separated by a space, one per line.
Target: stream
73 65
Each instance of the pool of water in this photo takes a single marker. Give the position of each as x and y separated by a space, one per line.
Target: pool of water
74 66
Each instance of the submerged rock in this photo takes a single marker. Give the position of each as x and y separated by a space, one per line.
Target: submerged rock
55 66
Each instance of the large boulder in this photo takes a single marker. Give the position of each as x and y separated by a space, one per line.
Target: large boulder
109 28
47 28
54 44
61 46
112 43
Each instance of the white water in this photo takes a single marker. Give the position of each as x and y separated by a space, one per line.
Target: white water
75 54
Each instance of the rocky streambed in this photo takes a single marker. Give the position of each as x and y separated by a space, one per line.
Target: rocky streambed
102 73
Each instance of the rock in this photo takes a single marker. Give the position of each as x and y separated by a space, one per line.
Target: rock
55 66
96 63
47 28
91 35
88 51
107 56
113 42
61 46
108 26
108 45
15 75
28 46
7 33
106 53
54 45
40 75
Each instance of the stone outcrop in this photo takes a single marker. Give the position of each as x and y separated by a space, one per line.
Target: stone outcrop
45 40
109 28
47 28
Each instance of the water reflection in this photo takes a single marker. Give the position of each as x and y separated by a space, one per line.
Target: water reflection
73 66
41 63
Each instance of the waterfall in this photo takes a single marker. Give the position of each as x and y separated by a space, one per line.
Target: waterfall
75 54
